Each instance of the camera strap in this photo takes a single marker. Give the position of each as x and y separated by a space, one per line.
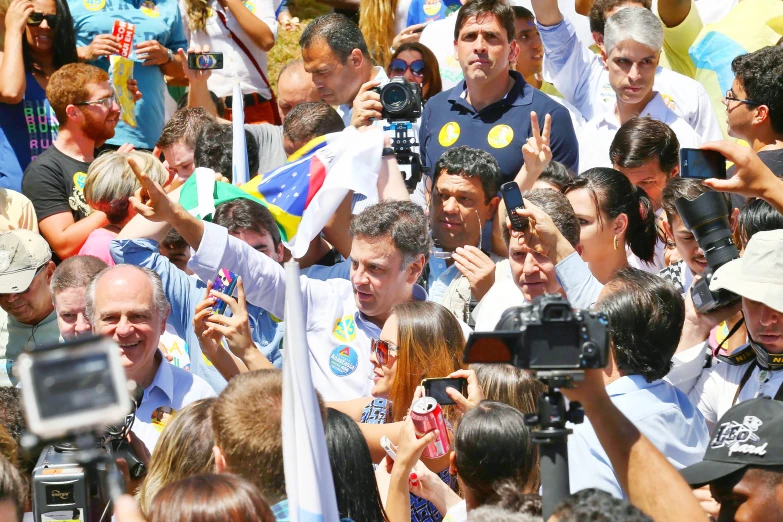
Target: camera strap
766 361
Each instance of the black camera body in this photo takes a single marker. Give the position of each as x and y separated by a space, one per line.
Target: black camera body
401 100
544 335
707 217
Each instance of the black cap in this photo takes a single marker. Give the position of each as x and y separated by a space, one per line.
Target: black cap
749 434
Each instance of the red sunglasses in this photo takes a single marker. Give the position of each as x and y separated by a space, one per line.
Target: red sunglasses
383 350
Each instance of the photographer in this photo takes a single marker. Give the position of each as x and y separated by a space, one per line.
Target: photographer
645 318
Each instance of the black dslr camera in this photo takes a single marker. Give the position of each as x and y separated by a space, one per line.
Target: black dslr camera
544 335
402 104
707 217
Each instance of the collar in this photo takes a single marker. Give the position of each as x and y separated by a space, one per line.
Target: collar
521 93
419 294
656 109
164 381
629 384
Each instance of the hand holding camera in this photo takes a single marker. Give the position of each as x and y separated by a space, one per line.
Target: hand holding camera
367 105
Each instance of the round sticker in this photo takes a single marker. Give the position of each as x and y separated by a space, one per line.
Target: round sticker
449 134
161 416
343 360
669 101
78 179
251 6
345 329
431 7
94 5
500 136
150 9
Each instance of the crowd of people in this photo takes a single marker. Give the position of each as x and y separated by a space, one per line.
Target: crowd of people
587 106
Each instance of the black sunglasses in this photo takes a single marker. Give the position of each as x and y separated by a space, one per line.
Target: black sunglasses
35 19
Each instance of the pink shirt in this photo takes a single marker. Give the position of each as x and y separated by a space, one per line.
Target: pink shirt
97 245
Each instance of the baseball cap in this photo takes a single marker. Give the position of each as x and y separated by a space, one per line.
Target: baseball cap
758 274
22 253
749 434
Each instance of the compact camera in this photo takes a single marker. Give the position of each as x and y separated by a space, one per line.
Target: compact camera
544 335
707 217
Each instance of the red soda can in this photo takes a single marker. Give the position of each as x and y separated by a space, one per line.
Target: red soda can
427 415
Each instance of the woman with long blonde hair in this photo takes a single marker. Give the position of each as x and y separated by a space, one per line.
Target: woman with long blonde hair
377 23
184 450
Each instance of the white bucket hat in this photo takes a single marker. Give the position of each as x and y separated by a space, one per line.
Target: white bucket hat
758 274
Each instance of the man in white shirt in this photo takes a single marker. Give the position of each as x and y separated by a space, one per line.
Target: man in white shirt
633 39
127 303
335 53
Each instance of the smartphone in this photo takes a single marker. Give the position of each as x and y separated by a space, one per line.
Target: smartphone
225 283
436 388
702 164
512 197
388 447
202 61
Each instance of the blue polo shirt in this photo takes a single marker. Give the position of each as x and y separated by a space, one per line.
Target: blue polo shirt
501 128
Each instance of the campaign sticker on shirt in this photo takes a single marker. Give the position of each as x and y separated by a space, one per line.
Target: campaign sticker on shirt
343 360
449 134
669 102
345 329
150 9
94 5
431 7
161 417
500 136
251 6
206 360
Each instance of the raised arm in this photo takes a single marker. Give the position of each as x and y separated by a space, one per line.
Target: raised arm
547 12
261 28
13 82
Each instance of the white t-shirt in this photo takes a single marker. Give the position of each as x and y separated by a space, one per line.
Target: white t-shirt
502 295
401 16
713 11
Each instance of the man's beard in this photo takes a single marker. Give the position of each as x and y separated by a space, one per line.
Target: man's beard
96 129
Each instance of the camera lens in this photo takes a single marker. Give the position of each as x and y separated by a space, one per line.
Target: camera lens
707 218
394 98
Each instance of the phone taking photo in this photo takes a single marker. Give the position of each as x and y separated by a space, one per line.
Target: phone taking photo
702 164
436 388
512 197
225 283
205 61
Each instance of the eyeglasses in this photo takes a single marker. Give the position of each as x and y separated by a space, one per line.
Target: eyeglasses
107 102
35 19
397 67
383 350
729 96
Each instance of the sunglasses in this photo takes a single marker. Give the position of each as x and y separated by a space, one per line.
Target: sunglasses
383 350
35 19
107 102
397 67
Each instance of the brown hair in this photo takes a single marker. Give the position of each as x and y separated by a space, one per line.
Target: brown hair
12 487
184 126
197 14
210 498
431 70
430 343
247 424
184 450
69 86
478 8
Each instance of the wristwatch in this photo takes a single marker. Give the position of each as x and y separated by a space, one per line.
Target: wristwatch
387 151
171 56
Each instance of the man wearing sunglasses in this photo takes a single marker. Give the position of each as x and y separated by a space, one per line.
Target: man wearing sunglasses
754 104
86 107
27 316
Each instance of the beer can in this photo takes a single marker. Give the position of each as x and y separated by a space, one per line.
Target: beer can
427 415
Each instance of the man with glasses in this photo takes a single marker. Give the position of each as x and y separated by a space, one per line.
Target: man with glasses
88 111
754 104
27 318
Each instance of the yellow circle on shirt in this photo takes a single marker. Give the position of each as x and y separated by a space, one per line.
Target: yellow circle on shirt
500 136
78 179
251 6
150 9
449 134
94 5
345 329
431 7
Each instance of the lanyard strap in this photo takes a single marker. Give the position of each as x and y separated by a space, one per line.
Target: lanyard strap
746 378
275 111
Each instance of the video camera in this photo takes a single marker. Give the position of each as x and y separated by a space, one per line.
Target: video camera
402 103
78 407
546 335
707 217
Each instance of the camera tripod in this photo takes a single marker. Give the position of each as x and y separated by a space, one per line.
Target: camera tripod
551 435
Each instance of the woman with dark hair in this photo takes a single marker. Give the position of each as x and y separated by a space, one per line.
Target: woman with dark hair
352 472
210 498
616 219
39 39
416 63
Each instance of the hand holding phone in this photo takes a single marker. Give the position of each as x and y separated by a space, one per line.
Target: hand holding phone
436 388
205 61
702 164
225 283
512 197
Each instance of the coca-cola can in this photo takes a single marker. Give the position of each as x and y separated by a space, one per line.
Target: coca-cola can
427 415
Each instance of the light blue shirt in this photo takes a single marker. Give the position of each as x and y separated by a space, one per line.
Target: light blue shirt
578 282
661 412
171 390
440 278
184 293
154 20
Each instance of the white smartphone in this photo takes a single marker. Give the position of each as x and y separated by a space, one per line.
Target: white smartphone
389 448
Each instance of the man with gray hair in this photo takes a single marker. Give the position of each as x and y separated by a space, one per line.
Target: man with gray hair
633 38
127 303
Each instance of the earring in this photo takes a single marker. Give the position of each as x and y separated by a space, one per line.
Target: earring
615 242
